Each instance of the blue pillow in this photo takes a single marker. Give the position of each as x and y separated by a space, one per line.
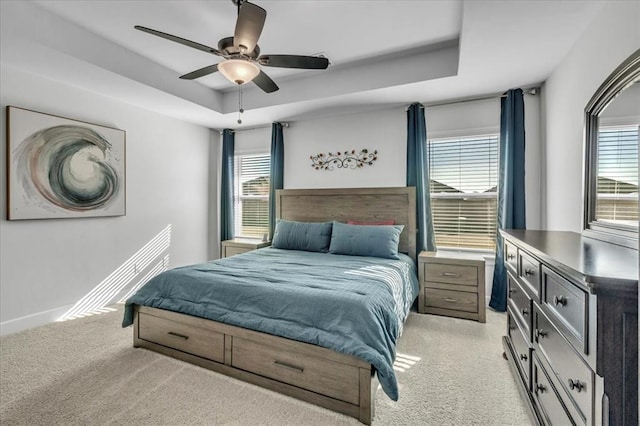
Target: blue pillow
366 240
305 236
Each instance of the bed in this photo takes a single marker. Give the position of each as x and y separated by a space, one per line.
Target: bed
256 323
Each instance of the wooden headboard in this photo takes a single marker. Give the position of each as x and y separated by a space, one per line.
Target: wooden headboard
361 204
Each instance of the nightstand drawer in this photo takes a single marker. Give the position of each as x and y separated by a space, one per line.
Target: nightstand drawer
452 274
240 245
455 300
232 251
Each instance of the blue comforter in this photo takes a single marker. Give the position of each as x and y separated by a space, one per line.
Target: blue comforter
351 304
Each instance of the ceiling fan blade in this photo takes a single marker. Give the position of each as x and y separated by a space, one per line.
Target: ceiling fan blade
200 73
294 61
248 27
264 82
180 40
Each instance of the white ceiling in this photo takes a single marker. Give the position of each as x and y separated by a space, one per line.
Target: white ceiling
383 53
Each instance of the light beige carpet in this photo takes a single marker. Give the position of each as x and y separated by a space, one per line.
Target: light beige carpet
86 372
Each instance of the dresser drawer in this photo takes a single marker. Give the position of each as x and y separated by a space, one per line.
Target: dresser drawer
451 274
569 305
511 257
317 375
530 274
186 338
447 299
520 303
575 377
547 399
520 347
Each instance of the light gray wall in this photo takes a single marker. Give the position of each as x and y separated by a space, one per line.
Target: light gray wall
381 130
609 39
46 266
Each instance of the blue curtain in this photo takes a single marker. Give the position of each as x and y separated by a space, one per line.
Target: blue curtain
276 173
226 186
511 199
418 176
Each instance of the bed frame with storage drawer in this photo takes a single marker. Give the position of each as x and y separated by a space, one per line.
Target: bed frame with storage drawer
572 327
311 373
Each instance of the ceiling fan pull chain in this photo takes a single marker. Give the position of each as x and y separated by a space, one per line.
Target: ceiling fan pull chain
240 109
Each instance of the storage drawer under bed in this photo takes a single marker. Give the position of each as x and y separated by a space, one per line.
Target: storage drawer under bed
183 337
333 379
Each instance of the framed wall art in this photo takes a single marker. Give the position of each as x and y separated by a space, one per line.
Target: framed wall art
63 168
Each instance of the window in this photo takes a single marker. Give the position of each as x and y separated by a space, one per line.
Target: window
463 187
617 180
251 198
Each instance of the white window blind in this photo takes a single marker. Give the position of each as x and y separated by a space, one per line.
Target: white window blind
464 179
617 185
251 198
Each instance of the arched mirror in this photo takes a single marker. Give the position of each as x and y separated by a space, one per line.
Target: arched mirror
612 126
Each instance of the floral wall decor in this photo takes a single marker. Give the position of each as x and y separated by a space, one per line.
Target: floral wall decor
343 159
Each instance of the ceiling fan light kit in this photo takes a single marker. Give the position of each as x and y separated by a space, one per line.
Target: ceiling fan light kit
238 71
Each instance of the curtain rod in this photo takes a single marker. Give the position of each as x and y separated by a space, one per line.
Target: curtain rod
284 124
530 91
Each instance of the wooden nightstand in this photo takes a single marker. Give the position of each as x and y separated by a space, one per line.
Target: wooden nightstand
241 245
451 284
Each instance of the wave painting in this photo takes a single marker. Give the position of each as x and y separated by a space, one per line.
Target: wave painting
66 170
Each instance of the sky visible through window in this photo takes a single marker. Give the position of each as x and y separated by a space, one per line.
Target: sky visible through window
467 165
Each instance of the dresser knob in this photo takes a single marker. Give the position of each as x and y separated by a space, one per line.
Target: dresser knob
540 388
511 291
528 272
576 385
511 256
559 300
523 357
540 333
524 311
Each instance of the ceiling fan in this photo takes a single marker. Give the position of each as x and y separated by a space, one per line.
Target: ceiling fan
241 52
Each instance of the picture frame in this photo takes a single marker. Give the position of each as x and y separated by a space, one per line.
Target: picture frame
60 168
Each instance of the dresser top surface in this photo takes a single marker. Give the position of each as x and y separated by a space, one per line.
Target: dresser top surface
599 264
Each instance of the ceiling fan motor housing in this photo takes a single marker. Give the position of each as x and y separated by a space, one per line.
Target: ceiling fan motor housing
225 45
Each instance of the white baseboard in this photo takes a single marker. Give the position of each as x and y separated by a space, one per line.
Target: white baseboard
33 320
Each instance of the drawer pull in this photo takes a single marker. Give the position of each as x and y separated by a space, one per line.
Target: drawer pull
576 385
449 299
528 271
523 357
524 311
450 274
540 333
511 256
511 291
540 389
559 300
178 335
292 367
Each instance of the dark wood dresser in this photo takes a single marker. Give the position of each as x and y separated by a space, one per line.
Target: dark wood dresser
572 327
